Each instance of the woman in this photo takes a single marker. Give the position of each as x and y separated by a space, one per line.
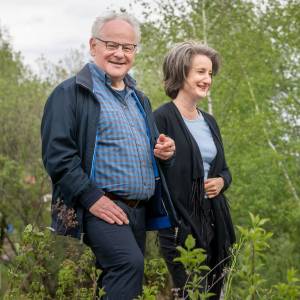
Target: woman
199 175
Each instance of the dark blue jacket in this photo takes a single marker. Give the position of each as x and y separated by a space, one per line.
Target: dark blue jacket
68 138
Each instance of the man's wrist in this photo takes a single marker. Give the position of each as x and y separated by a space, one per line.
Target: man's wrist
90 197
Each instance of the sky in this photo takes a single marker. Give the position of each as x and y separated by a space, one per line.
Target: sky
52 27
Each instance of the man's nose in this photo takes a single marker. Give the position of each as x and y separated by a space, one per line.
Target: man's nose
119 52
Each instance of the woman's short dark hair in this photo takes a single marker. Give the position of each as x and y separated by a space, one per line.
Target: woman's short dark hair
178 62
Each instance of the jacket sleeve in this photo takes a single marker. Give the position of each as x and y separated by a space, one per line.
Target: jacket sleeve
225 172
154 130
160 122
60 151
226 175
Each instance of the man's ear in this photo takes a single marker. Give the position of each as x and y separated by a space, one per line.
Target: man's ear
92 43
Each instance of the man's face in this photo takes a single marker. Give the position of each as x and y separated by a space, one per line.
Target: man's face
116 63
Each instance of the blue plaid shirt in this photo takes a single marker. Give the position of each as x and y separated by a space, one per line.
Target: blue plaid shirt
123 158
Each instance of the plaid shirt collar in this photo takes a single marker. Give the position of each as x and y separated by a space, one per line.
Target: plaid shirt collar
105 78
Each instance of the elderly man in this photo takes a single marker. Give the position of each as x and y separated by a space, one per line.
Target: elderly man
105 157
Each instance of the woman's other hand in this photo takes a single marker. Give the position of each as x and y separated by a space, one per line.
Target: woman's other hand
213 186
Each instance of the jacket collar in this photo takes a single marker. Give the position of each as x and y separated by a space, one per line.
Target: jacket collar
84 78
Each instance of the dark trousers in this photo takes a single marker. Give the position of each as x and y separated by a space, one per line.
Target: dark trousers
168 243
119 252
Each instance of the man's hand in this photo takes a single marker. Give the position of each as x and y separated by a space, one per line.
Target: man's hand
108 211
213 186
164 148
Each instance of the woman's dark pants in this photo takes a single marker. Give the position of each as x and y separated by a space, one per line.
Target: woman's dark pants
168 244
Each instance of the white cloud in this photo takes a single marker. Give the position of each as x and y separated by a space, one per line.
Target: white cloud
52 27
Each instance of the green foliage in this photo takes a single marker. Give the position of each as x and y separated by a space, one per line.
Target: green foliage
23 183
156 275
37 272
193 260
29 273
78 279
289 290
245 278
149 293
23 194
255 100
254 241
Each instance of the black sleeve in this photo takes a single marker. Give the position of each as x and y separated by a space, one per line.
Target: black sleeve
154 129
60 151
225 172
160 121
226 175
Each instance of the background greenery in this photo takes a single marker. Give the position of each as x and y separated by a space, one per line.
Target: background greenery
255 99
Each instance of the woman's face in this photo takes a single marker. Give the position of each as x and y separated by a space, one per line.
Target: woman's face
199 79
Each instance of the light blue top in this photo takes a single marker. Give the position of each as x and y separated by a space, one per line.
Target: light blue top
202 134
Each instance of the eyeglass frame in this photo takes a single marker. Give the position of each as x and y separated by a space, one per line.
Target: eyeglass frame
117 45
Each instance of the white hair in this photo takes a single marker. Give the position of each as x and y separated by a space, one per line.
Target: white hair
101 20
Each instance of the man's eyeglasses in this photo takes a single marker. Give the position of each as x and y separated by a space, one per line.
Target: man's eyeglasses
113 46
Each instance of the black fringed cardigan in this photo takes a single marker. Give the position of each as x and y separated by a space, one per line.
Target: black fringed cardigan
185 183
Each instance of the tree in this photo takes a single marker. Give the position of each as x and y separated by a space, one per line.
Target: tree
254 100
23 183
